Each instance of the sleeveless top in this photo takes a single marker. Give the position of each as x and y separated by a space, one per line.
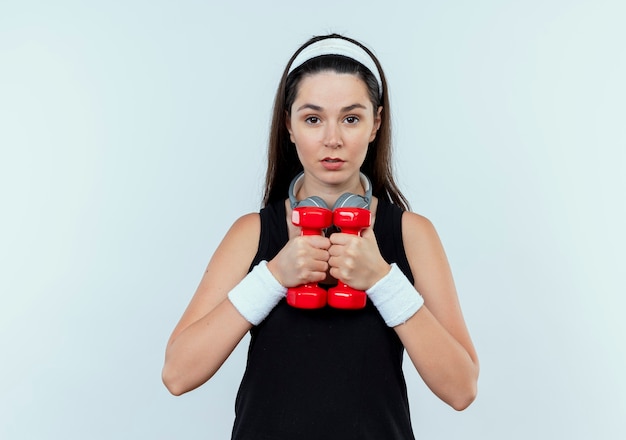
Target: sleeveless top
324 374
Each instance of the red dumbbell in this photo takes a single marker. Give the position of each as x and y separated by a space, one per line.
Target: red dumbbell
350 221
311 220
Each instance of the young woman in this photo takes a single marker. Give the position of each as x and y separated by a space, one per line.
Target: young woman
328 373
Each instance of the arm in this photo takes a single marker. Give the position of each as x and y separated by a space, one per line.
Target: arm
211 327
436 337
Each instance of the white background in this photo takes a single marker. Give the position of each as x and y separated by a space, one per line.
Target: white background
133 133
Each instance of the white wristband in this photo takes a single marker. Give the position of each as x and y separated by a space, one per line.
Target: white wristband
257 294
395 297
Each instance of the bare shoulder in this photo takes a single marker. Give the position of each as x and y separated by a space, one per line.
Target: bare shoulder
427 258
228 265
433 277
417 229
244 231
237 249
414 220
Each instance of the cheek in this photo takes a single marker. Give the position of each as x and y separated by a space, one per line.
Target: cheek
304 139
300 145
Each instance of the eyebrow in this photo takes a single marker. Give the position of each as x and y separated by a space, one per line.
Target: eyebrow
317 108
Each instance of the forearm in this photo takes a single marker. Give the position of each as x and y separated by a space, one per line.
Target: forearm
194 356
443 363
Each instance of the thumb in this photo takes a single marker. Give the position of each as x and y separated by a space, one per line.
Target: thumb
318 241
368 233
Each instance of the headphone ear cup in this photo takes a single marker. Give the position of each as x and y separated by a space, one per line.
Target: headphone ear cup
312 201
349 200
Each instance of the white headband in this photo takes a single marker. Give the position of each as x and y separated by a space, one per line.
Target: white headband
338 46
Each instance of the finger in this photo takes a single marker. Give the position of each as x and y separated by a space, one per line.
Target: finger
335 250
316 277
340 238
336 273
317 241
319 266
334 262
317 272
367 233
320 255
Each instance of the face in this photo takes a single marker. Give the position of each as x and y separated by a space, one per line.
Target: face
332 122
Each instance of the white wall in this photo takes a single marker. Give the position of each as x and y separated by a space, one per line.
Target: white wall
133 133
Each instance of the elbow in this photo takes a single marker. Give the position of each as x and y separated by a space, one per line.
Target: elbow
179 377
462 401
179 381
172 382
464 397
459 397
174 391
466 394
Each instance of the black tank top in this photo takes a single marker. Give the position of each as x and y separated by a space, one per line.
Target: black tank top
324 374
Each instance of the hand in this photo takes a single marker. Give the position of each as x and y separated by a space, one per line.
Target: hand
356 260
304 259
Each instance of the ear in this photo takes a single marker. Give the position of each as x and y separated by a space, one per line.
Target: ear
377 121
288 125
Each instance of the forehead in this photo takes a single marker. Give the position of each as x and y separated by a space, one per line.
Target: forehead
332 87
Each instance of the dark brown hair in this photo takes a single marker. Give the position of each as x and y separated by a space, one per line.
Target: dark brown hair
283 163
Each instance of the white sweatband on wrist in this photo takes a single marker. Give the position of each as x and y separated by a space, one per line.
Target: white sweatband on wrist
395 297
257 294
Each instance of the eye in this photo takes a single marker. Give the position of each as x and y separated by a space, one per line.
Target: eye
312 120
351 119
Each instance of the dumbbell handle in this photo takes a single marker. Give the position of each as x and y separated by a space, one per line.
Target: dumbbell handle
311 221
350 221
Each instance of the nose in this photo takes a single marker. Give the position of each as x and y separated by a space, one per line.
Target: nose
332 136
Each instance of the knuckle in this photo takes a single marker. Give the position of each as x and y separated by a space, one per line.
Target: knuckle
349 263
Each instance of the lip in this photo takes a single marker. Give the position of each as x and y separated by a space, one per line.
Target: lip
332 163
